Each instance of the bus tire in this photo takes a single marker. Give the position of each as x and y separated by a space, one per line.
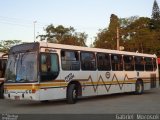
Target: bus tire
72 94
139 88
1 91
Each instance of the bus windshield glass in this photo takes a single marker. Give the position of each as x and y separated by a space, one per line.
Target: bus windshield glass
22 68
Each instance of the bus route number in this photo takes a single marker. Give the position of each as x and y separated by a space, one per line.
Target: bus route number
69 77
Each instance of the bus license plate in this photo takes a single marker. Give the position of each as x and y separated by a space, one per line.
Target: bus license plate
17 97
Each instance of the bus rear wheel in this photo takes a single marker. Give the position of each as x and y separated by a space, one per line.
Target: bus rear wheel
1 91
72 94
139 87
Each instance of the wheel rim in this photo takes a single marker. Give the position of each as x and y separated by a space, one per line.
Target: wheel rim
74 94
139 88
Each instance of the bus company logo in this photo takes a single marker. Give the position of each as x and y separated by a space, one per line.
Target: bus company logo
108 75
69 77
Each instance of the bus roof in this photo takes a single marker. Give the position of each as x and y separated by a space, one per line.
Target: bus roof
36 45
72 47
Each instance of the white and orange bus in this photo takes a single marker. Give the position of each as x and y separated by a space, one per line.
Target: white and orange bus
3 62
47 71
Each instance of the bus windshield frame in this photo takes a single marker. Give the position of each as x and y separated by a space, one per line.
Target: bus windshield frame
22 68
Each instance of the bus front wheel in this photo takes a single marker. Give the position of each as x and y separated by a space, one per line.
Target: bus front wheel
139 87
72 94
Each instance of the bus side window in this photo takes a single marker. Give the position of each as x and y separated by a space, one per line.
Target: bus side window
148 64
128 63
70 60
103 61
117 63
49 66
139 63
88 61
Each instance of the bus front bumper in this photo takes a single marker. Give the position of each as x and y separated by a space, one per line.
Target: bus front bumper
21 95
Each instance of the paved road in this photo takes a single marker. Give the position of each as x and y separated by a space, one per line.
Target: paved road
149 102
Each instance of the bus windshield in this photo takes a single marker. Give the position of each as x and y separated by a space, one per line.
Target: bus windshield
22 68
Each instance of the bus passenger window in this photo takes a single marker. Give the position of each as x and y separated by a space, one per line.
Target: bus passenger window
148 64
88 61
139 63
117 63
70 60
128 63
103 61
49 66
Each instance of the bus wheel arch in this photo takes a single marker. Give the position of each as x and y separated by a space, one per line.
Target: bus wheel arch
139 87
74 89
1 90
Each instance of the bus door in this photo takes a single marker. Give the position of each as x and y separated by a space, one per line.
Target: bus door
49 72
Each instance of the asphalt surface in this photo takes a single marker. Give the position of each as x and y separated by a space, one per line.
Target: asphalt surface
127 103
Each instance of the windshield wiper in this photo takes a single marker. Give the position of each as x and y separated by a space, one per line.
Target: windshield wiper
22 80
10 81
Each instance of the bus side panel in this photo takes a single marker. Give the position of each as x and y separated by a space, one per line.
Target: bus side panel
109 82
117 82
53 89
150 79
89 85
87 78
52 93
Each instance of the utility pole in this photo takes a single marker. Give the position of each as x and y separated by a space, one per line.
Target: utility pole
117 38
34 37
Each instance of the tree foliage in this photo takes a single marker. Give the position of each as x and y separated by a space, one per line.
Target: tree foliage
64 35
5 45
155 18
134 36
155 11
124 22
136 33
106 38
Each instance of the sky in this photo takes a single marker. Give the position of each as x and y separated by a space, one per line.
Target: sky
17 17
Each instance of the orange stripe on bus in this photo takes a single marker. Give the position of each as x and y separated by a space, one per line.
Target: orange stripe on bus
64 84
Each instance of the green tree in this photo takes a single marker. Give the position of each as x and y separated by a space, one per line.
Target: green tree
155 18
106 38
138 36
63 35
155 11
5 45
135 35
124 22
